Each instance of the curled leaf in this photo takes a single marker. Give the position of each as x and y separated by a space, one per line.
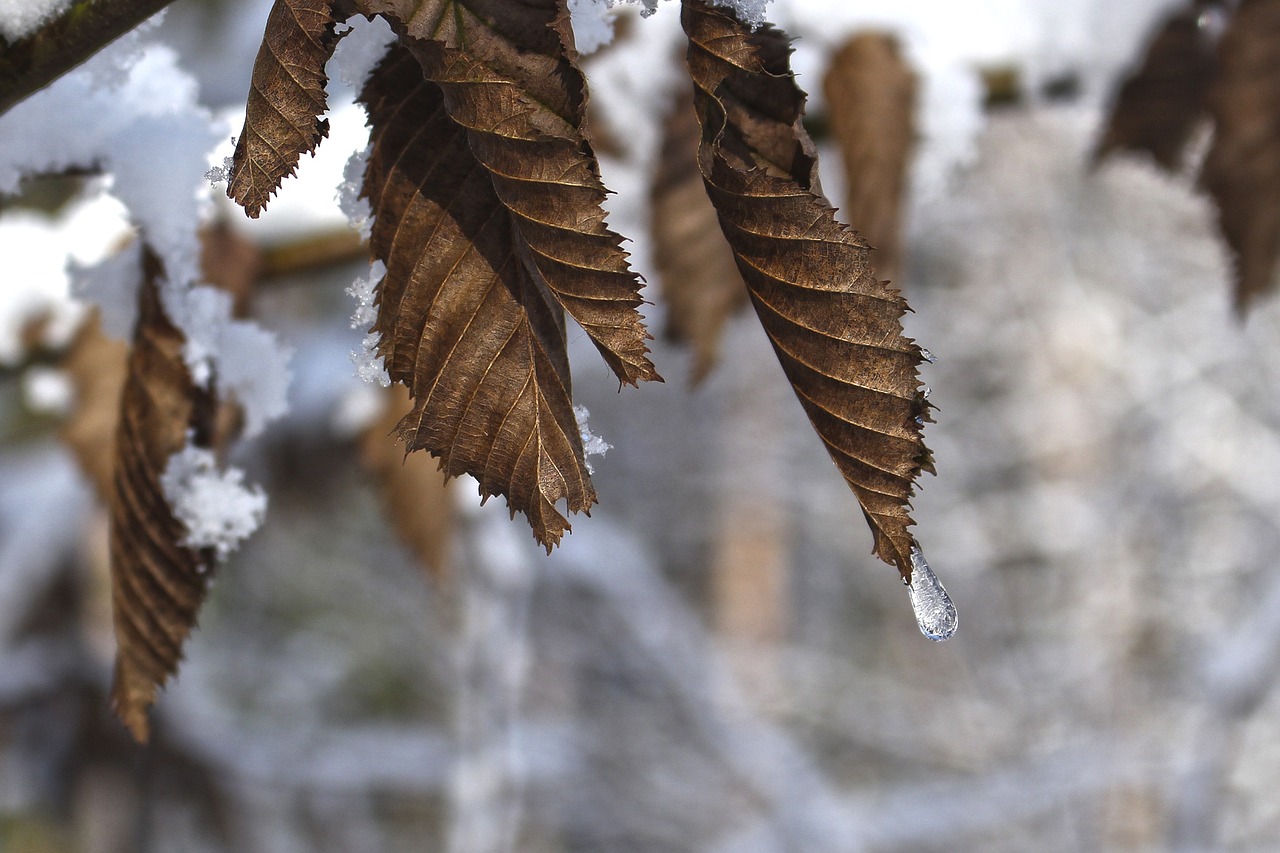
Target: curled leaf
508 74
466 322
698 275
157 584
1242 169
1157 108
836 329
871 98
286 99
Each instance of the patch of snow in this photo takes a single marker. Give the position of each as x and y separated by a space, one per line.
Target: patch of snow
349 196
112 285
253 367
46 389
217 509
34 253
748 11
241 359
592 24
363 45
20 18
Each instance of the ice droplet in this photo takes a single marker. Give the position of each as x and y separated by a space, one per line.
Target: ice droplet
1212 22
935 613
928 356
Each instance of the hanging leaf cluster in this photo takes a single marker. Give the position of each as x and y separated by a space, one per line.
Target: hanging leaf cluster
487 214
486 197
1216 62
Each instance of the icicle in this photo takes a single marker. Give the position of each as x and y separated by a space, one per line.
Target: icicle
928 356
935 613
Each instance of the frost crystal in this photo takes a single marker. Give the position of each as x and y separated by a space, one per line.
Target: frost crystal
216 508
221 174
592 444
369 366
361 290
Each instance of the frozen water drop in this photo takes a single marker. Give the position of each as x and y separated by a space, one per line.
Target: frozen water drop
1212 22
928 356
935 613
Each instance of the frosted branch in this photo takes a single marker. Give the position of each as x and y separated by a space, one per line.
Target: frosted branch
31 63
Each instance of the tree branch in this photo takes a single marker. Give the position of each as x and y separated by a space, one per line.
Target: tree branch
34 62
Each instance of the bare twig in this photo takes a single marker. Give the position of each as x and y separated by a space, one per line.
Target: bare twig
34 62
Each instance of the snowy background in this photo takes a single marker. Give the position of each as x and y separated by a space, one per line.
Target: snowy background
713 661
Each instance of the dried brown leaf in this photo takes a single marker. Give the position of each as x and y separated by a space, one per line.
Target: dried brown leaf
466 322
286 99
231 262
508 73
871 99
97 367
836 329
419 503
1157 108
157 583
1242 169
698 275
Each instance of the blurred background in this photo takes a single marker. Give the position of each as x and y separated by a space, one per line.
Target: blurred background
713 661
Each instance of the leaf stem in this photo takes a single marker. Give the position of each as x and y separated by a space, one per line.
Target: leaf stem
31 63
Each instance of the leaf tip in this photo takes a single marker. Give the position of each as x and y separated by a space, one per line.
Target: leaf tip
132 695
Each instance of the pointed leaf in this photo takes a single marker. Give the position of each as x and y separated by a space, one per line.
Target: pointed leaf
508 72
871 98
1242 169
286 99
698 275
836 329
157 584
465 322
1159 105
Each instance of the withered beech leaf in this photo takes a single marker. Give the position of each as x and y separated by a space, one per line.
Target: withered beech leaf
871 98
1157 108
419 503
696 270
465 322
508 73
286 99
1242 169
836 329
97 366
157 584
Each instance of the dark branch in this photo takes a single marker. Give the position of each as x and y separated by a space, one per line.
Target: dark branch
34 62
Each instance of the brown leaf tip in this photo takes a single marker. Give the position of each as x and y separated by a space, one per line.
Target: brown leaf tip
283 114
